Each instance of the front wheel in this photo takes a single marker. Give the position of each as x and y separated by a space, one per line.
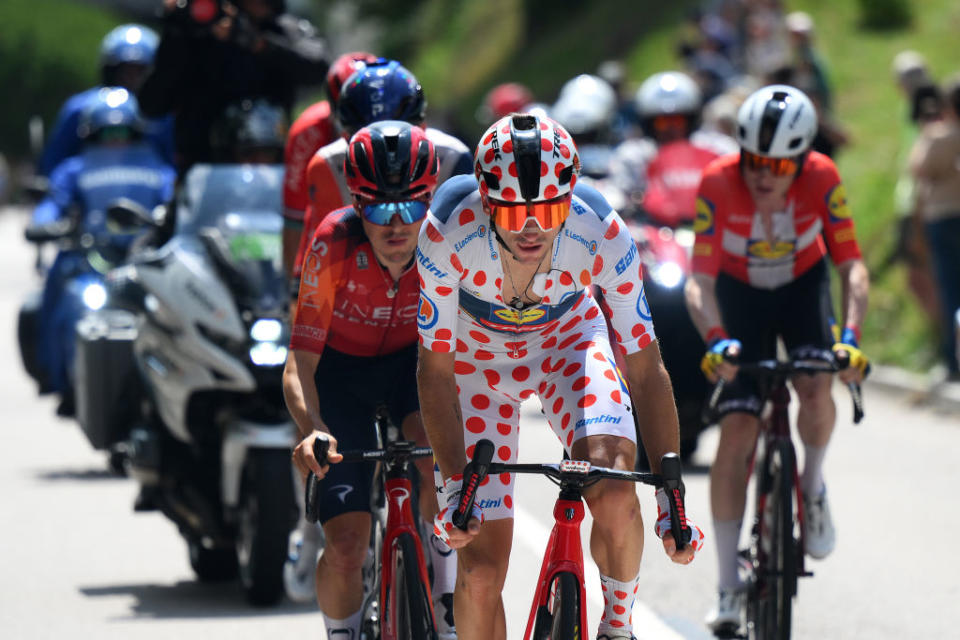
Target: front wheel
560 619
409 596
267 514
776 551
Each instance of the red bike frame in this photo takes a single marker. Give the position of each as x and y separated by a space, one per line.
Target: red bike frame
399 521
564 554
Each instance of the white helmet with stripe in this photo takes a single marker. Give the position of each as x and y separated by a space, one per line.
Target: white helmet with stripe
777 121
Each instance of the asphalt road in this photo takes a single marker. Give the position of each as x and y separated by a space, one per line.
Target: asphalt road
77 562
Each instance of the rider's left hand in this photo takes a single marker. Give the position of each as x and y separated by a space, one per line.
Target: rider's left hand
859 364
662 529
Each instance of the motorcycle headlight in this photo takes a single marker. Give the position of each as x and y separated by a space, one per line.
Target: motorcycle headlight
268 354
94 296
266 330
668 274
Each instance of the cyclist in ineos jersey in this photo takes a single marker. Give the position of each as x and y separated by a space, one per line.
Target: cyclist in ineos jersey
505 315
381 90
760 273
354 348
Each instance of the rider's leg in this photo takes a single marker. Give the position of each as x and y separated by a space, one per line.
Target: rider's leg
482 570
339 569
728 488
815 420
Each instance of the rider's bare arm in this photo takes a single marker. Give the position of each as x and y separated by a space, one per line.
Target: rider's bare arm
652 396
855 281
440 409
701 296
300 391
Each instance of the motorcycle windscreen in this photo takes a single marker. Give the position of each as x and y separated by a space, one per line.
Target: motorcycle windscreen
240 206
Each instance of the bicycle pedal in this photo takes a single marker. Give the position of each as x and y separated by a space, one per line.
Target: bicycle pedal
729 633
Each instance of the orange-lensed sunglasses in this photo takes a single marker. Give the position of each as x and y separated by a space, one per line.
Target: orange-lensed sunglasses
776 166
513 217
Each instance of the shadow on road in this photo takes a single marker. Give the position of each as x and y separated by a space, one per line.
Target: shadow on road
187 599
57 475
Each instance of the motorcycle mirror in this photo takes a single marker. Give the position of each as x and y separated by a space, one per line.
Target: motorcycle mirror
125 215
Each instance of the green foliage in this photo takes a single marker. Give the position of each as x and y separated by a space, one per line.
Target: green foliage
48 51
885 14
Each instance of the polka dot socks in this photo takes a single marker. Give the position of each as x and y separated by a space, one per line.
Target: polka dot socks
618 600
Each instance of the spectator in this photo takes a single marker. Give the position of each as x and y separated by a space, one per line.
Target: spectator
214 54
923 107
935 166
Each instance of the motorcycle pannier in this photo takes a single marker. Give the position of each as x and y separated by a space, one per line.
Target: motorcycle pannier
106 379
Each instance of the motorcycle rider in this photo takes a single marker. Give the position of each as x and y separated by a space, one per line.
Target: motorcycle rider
116 161
315 128
381 90
217 52
126 54
766 219
354 347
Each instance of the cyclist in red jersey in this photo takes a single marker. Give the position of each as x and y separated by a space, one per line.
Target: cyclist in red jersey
383 90
314 129
354 348
766 218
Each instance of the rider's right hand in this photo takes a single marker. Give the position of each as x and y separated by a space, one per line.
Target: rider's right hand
443 526
306 462
715 364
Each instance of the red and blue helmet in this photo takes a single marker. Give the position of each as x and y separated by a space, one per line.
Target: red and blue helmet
391 160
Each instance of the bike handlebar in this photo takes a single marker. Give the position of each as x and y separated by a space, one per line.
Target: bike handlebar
772 367
394 452
581 472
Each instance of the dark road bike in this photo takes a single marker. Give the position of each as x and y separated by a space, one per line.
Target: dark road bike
559 611
404 610
774 559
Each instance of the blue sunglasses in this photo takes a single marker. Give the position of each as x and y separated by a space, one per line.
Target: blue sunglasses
382 213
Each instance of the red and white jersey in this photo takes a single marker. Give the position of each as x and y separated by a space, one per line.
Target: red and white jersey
461 278
672 180
327 183
731 236
311 131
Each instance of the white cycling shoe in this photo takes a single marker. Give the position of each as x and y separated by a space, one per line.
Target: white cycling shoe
819 534
727 616
299 571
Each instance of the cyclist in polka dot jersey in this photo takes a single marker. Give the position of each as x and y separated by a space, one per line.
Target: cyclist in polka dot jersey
505 313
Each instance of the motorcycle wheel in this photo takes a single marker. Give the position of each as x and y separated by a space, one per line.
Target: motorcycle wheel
212 565
267 514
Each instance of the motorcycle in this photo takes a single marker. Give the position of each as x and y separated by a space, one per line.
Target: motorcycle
212 444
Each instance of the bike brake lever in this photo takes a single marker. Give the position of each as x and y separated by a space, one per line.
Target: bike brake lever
473 474
670 471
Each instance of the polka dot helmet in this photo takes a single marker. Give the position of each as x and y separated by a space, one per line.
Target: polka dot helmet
525 157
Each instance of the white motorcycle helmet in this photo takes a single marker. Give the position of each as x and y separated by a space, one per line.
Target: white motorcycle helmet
667 93
777 121
586 104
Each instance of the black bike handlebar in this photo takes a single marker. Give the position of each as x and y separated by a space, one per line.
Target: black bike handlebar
772 367
669 479
394 452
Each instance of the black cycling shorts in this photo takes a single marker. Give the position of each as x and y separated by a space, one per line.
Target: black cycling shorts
798 312
350 389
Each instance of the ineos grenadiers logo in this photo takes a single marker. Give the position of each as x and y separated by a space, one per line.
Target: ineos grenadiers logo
590 245
427 314
479 233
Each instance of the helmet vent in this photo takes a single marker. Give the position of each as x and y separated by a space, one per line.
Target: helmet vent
796 142
491 180
524 122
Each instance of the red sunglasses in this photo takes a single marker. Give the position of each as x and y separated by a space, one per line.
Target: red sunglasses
513 217
776 166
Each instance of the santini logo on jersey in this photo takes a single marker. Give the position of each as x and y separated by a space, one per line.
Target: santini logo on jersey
489 503
590 245
428 265
479 233
584 422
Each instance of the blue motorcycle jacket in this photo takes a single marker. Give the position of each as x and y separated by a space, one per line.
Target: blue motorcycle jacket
64 140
